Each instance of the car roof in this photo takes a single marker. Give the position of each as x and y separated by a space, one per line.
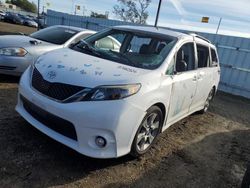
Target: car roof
71 27
162 31
151 29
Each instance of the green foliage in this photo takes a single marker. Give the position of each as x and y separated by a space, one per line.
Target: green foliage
24 4
132 10
97 15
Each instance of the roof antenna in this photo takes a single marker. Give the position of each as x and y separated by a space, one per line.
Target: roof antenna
157 15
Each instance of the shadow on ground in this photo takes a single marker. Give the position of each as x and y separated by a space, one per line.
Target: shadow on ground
221 164
235 108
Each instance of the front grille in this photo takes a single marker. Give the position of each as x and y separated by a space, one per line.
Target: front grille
58 91
51 121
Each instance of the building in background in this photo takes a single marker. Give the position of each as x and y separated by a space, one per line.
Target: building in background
8 6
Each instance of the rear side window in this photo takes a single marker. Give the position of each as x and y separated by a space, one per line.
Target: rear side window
214 58
203 56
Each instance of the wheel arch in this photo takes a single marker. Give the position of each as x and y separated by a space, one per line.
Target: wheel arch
163 110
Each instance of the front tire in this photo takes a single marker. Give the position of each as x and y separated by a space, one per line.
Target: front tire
147 131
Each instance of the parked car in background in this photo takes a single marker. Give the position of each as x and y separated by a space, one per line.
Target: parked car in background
2 14
30 23
27 21
105 101
13 18
17 52
41 21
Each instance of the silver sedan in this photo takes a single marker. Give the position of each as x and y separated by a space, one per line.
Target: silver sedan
17 52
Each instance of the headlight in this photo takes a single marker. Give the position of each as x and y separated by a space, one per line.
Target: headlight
105 93
18 52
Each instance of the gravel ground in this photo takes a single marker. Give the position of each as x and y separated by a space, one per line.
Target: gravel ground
208 150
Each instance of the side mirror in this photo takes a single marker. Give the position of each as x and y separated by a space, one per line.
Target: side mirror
181 66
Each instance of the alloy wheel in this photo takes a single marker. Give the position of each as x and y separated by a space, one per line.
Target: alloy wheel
148 132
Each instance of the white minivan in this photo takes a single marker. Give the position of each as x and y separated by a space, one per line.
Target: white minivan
108 101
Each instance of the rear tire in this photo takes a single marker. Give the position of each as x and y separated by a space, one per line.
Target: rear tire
208 100
147 132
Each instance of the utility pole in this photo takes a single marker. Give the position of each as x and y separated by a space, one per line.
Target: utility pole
83 10
157 15
218 26
72 7
217 30
38 14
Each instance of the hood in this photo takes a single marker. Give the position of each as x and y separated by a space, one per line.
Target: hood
75 68
20 41
24 42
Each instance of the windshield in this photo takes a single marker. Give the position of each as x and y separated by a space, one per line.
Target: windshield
54 35
138 49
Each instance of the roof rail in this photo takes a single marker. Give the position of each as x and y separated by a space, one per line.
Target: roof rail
200 37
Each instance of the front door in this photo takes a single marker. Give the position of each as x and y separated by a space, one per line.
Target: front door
184 83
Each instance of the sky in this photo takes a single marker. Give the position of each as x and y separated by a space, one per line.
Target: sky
179 14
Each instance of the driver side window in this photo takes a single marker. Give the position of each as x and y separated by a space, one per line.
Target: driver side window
185 58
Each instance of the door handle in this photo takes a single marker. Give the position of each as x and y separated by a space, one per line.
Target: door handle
195 78
201 75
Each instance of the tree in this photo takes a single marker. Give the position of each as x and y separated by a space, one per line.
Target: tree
132 10
24 4
97 15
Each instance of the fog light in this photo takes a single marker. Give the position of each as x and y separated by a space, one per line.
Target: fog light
100 141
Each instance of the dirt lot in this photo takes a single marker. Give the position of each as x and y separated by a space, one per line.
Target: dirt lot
209 150
6 28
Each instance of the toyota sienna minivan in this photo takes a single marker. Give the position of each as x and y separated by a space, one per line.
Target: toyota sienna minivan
108 100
